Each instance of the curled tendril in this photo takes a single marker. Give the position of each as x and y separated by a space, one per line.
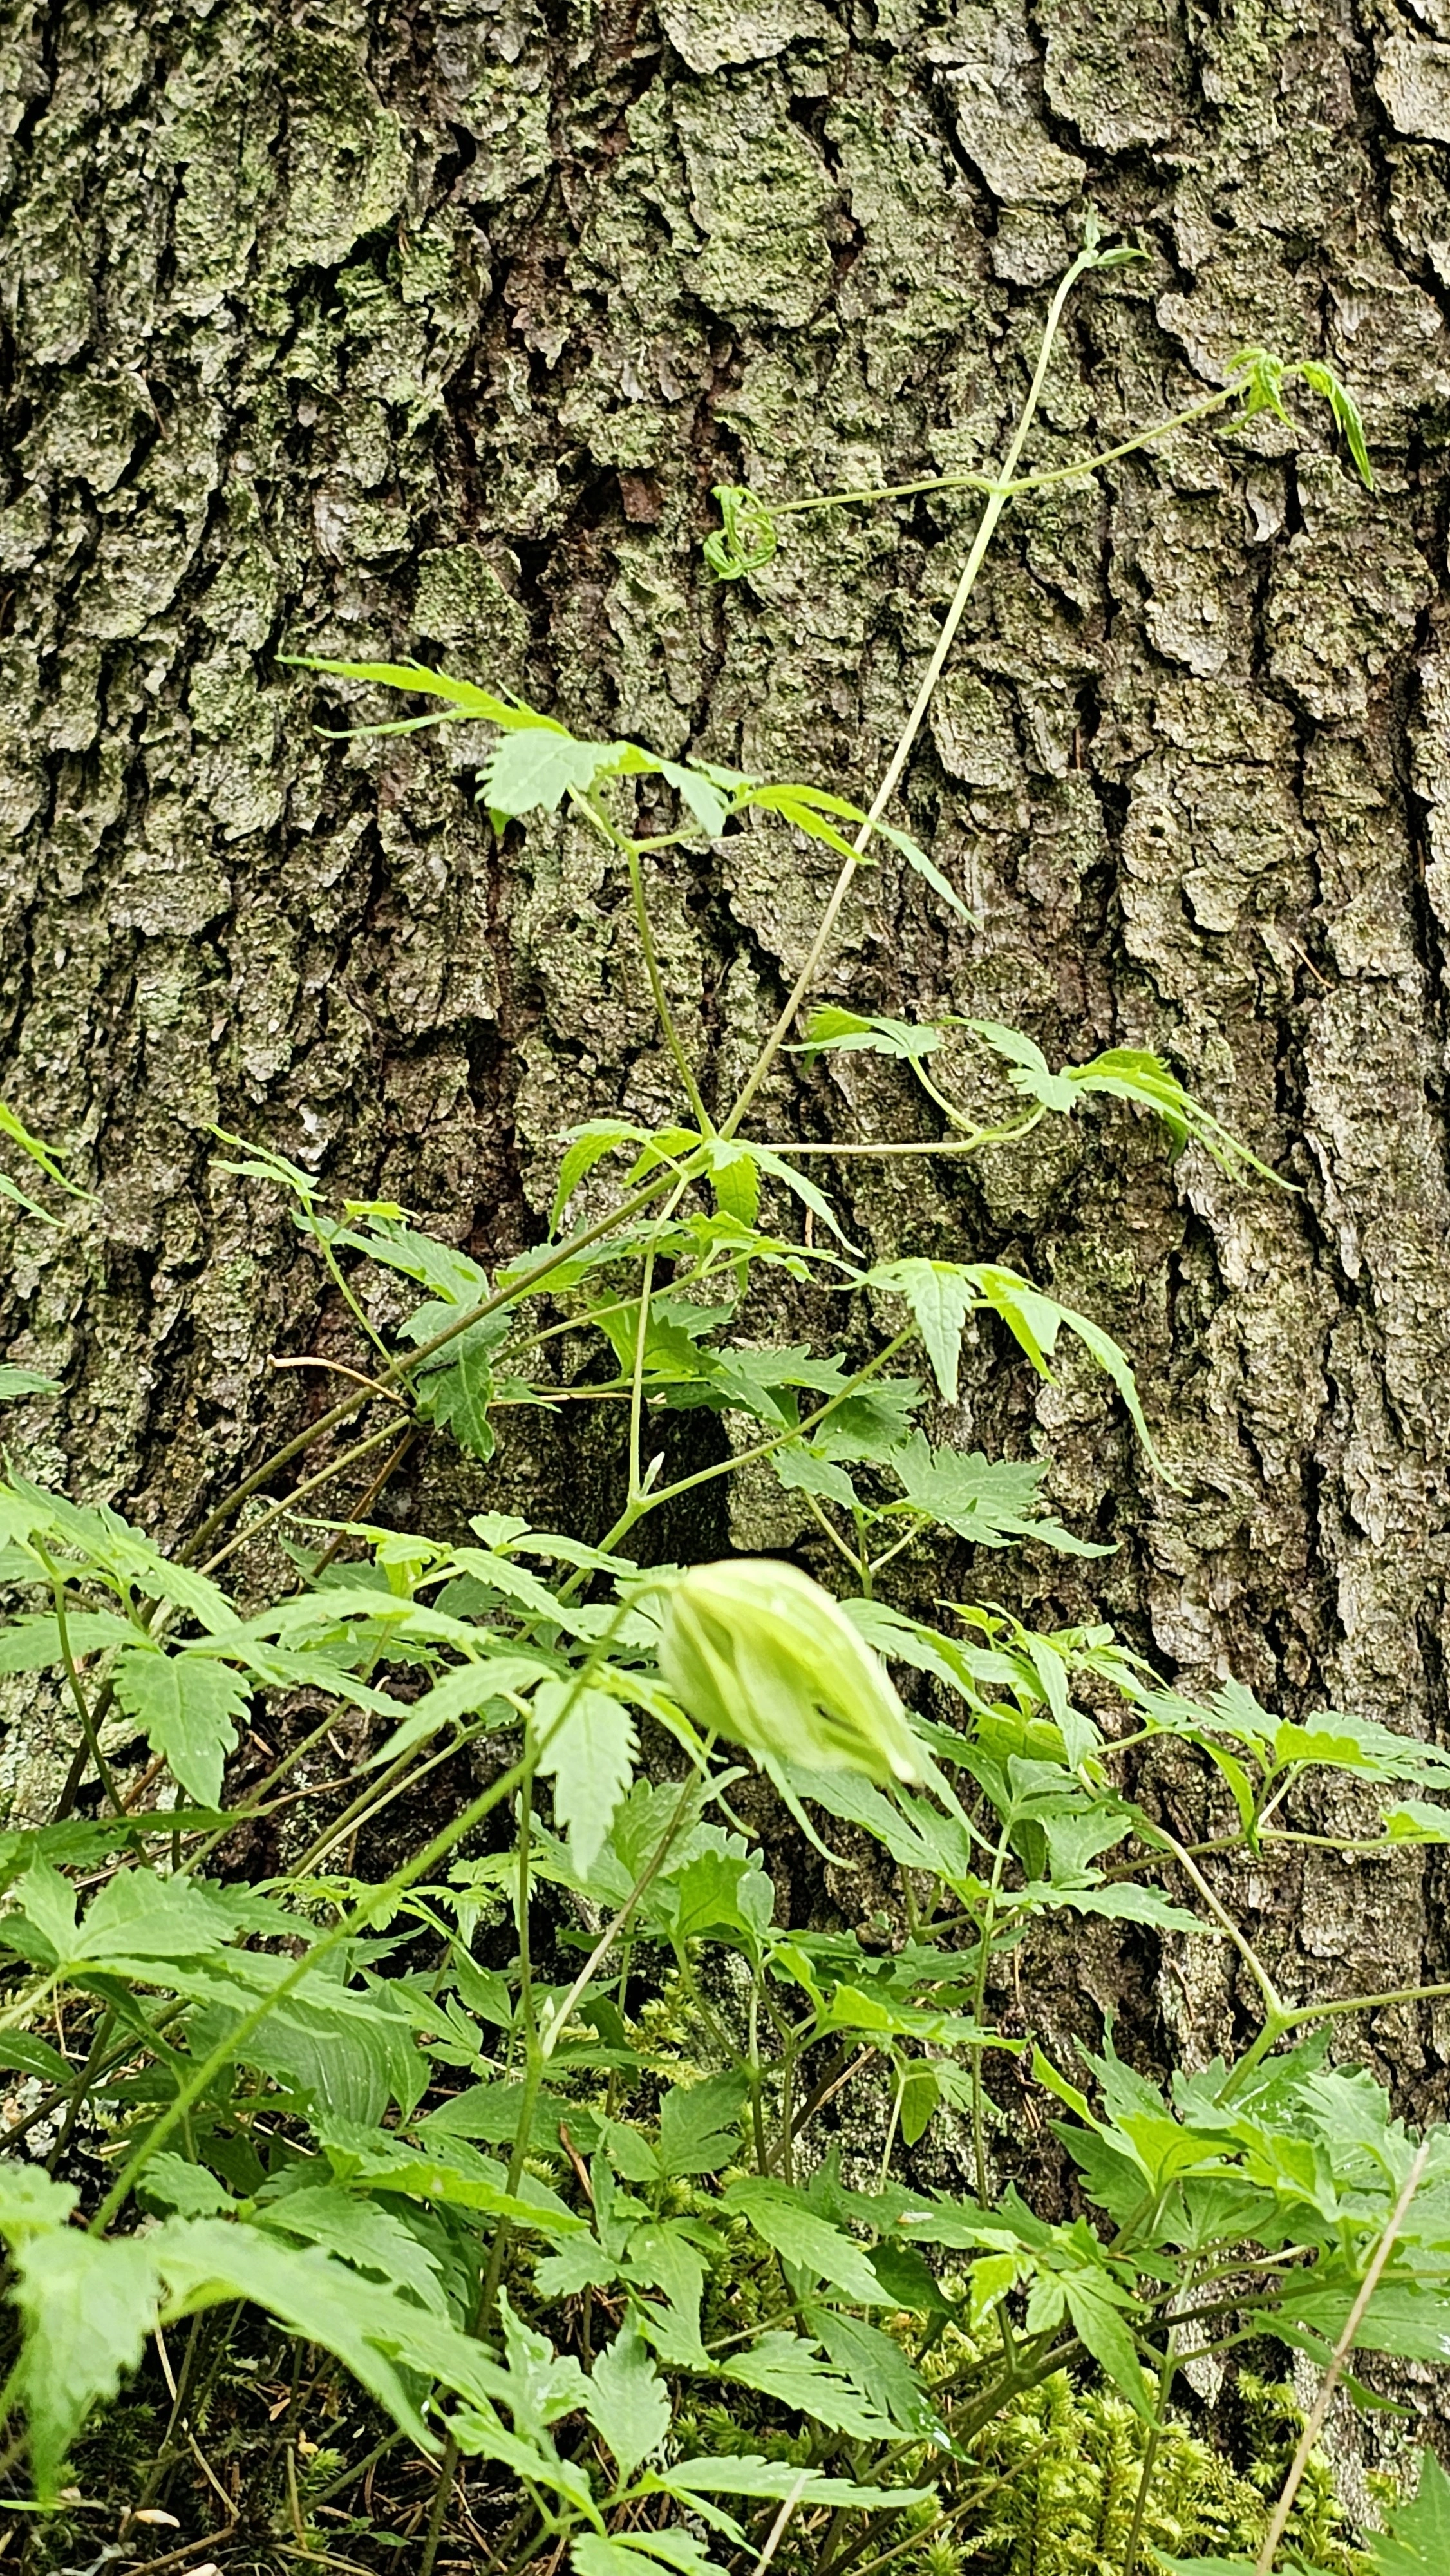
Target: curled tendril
746 538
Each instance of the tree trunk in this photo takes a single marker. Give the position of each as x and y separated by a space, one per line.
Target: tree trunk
384 330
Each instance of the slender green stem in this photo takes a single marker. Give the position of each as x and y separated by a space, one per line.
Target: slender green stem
589 806
1249 1955
325 1476
1314 2420
996 503
1150 2451
403 1365
351 1925
89 1729
344 1289
523 1887
979 2010
1009 490
541 2045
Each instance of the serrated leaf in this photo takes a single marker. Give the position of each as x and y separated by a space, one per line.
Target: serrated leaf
588 1145
800 1467
777 2479
32 1644
365 2234
174 2185
874 2361
627 2401
459 1397
187 1707
831 1029
640 2553
1099 2325
1124 1904
989 1501
88 2305
941 1296
711 809
1031 1071
537 769
1418 2540
588 1745
787 2368
700 2124
735 1180
799 2236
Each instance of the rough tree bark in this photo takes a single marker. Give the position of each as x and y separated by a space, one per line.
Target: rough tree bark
426 328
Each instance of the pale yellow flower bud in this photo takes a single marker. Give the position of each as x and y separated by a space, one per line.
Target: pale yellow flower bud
756 1651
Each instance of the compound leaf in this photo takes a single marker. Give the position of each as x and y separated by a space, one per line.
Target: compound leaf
187 1707
627 2401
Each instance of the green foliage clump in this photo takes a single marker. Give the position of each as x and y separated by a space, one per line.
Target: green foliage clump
503 2177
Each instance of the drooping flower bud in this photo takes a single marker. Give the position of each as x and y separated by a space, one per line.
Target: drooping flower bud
756 1651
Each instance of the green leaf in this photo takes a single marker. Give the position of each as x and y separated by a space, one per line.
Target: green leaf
1205 2566
139 1915
709 806
716 1892
46 1904
32 1644
627 2401
367 2328
48 1157
363 2233
18 1382
830 1028
700 2125
781 2217
88 2305
1100 2326
537 769
916 857
588 1751
920 2095
587 1146
801 1467
1031 1071
1415 1820
941 1296
1323 380
989 1501
1035 1321
735 1180
875 2362
187 1706
459 1398
1418 2540
640 2553
463 698
1122 1904
27 2055
172 2183
777 2479
808 808
787 2368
